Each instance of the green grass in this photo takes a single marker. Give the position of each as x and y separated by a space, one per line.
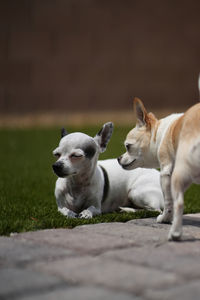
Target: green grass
27 182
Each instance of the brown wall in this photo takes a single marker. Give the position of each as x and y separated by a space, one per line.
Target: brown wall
97 54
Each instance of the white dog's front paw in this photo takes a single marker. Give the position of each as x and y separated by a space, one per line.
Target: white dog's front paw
174 235
72 214
67 212
85 214
164 218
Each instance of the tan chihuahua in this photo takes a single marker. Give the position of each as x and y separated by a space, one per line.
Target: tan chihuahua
173 145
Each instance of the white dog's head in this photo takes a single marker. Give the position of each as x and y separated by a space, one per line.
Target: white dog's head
138 139
78 153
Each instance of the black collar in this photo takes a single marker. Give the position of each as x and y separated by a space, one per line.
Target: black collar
106 185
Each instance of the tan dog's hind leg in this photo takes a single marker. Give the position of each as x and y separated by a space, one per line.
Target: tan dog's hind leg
179 183
186 171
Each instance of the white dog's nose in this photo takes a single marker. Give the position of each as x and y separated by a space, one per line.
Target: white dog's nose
58 168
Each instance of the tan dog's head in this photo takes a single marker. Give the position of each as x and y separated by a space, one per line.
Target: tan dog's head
138 139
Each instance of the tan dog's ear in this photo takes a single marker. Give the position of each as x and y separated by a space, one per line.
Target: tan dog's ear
141 113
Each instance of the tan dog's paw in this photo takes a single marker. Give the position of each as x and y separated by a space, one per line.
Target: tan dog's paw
174 235
164 218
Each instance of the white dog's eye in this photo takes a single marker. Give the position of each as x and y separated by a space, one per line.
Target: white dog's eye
76 155
57 154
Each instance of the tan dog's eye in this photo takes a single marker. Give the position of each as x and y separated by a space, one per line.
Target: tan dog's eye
128 147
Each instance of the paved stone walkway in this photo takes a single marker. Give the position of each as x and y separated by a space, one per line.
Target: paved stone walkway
118 261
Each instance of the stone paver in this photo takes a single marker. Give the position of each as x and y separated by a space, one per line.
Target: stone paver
19 252
187 291
130 260
16 282
109 273
83 293
78 240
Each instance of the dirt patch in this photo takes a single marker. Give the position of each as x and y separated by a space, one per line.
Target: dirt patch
74 118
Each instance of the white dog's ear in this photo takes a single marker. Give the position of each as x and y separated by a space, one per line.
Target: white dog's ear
141 113
103 136
63 132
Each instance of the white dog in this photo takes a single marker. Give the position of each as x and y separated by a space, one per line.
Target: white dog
173 145
86 188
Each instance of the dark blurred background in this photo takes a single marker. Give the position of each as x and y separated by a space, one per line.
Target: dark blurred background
87 55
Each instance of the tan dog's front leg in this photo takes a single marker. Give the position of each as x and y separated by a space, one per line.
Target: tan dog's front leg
165 180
